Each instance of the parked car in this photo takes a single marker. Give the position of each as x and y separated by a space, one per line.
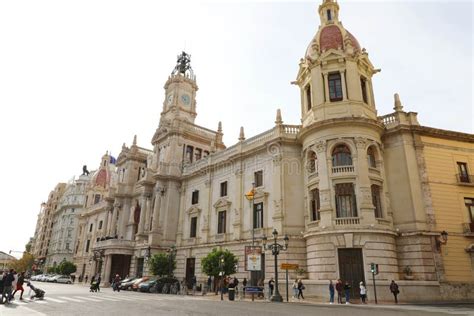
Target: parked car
52 278
127 285
164 284
36 277
147 285
45 277
137 282
63 279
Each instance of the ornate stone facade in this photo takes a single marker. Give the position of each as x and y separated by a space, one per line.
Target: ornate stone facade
350 188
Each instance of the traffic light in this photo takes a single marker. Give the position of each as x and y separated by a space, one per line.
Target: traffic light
374 268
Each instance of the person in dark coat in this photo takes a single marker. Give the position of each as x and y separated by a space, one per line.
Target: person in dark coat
98 283
271 285
7 286
339 288
347 291
19 285
394 289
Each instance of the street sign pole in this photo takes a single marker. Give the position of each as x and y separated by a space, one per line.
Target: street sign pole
287 285
375 288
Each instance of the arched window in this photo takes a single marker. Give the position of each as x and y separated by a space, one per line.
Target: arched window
312 162
371 157
341 156
376 200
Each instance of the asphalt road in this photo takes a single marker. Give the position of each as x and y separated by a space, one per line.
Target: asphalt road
62 299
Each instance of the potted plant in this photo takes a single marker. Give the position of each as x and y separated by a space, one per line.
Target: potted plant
408 273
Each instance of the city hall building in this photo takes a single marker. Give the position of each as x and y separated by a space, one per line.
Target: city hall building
348 186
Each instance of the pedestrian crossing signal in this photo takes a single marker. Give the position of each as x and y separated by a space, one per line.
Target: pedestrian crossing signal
374 268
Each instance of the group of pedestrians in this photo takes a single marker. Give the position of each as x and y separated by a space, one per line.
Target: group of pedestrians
344 291
11 281
298 288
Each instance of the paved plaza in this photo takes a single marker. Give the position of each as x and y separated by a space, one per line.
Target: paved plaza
76 299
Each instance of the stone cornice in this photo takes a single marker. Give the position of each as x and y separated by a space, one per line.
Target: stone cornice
340 121
430 131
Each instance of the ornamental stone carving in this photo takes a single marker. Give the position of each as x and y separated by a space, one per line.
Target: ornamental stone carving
321 146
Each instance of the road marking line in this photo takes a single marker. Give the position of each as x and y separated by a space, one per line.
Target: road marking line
20 303
88 298
41 302
55 300
109 299
71 299
120 298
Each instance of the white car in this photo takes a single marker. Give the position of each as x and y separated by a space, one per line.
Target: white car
53 278
63 279
36 277
44 277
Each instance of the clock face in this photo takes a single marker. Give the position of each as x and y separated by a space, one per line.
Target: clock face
169 99
185 99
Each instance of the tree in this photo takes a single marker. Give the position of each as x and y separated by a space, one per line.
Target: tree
210 263
160 264
24 263
66 268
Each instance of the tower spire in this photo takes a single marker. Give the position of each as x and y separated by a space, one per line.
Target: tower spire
398 104
329 12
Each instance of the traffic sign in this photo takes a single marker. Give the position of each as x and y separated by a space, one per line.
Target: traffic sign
289 266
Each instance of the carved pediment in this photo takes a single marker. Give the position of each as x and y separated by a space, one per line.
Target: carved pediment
193 210
222 203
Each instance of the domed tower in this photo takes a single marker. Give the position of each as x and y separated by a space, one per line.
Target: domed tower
335 76
348 216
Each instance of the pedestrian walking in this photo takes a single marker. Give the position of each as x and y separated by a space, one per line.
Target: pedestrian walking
395 291
7 286
15 281
19 285
339 288
85 280
347 292
295 289
271 284
98 283
116 283
301 287
363 292
236 284
331 292
2 276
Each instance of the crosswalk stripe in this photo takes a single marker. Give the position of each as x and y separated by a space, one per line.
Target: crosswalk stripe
41 302
88 298
109 299
119 297
71 299
54 300
20 303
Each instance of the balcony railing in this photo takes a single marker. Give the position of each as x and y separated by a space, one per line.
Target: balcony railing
347 221
466 179
343 169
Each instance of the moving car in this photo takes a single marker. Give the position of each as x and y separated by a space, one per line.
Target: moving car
63 279
126 285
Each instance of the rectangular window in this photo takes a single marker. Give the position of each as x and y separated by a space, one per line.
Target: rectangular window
363 87
224 188
308 97
470 208
376 201
88 243
195 197
100 224
90 228
258 178
463 173
329 15
315 205
345 200
335 87
67 246
221 222
198 154
258 215
96 198
193 229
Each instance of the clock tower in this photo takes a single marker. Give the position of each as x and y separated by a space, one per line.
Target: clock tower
180 92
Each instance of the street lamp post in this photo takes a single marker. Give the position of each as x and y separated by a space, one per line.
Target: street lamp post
172 253
221 272
275 247
251 197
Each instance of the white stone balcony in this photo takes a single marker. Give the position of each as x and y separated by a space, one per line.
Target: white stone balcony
342 169
347 221
115 243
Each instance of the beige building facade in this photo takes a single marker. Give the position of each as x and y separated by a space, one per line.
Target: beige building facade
348 186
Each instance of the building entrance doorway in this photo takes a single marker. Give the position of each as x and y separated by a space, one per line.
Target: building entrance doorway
190 270
120 265
351 268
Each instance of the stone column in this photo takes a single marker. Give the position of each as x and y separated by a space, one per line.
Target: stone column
113 222
324 171
343 85
366 207
147 214
106 269
326 86
156 213
141 224
105 226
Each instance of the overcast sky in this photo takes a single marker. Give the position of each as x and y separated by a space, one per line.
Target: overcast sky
78 78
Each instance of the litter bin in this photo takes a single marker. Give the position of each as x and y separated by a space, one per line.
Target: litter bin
231 294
